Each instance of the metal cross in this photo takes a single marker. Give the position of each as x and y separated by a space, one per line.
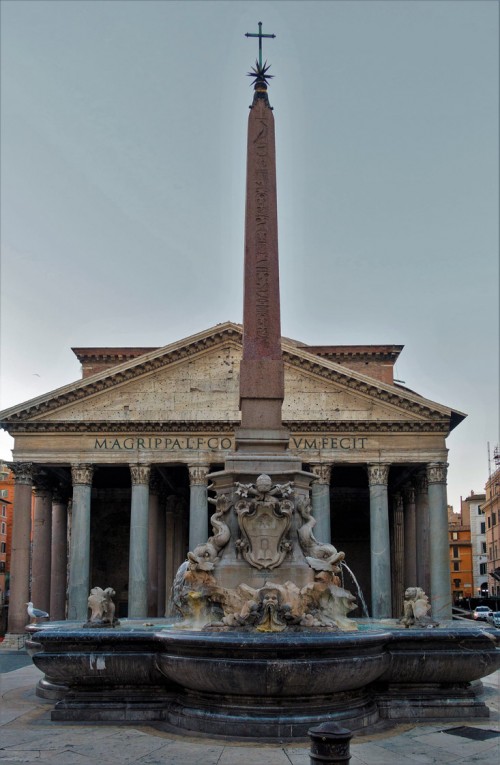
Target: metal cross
260 36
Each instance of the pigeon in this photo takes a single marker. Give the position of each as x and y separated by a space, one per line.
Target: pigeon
35 613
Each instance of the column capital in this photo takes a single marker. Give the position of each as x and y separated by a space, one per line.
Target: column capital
154 484
421 483
140 474
41 483
398 501
23 472
378 474
59 496
322 473
198 475
82 474
409 494
437 472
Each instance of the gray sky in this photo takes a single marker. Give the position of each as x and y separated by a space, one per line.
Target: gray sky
123 139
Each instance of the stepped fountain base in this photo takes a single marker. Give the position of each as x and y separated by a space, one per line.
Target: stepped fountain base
252 686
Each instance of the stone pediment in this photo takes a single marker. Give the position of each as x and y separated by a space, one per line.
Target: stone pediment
196 380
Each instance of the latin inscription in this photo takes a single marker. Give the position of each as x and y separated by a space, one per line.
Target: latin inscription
167 443
224 443
328 442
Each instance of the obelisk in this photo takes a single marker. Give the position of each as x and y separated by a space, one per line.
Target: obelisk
261 440
261 370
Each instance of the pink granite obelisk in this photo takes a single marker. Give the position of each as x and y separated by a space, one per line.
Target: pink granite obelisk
261 371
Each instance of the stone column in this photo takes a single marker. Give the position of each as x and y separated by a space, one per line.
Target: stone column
161 543
21 541
179 533
410 537
59 556
79 564
439 543
398 553
380 554
169 547
138 557
320 495
42 539
198 505
154 509
422 532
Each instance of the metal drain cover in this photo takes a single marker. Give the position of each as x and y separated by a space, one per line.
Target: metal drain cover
475 734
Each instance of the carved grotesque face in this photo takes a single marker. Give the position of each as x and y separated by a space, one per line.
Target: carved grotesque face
263 483
411 593
270 599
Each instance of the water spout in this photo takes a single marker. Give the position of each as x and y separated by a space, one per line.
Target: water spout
359 590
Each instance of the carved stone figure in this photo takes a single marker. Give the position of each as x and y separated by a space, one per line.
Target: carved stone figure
204 557
415 609
264 516
320 556
264 512
102 608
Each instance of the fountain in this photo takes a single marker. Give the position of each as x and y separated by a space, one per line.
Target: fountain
263 645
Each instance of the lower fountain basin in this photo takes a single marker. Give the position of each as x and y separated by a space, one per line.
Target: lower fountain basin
272 686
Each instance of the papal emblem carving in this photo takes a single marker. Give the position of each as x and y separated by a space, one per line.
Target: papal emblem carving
264 516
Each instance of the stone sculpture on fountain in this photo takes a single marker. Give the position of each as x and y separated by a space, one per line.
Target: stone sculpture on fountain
264 512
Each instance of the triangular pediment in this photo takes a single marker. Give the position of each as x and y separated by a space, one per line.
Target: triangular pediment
197 380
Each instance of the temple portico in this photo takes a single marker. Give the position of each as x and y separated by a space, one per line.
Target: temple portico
128 524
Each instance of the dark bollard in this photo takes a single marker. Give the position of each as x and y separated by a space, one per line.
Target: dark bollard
329 744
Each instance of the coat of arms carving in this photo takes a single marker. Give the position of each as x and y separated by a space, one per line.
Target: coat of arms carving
264 516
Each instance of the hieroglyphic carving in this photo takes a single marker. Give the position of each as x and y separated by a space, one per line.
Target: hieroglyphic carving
261 227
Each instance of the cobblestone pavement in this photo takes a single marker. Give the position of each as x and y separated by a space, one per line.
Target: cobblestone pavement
28 735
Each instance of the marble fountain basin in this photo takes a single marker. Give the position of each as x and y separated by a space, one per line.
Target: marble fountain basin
272 686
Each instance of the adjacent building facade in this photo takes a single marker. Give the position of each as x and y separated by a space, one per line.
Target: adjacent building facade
6 517
461 568
473 514
491 508
135 440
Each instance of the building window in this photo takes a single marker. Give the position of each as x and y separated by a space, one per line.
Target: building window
456 566
4 493
4 511
493 519
483 527
482 569
479 510
483 548
454 534
3 547
455 551
3 528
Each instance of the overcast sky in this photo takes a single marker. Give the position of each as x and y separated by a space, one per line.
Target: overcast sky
123 140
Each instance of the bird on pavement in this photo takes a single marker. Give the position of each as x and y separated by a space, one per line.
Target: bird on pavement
36 613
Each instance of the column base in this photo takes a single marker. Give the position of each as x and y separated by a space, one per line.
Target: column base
13 642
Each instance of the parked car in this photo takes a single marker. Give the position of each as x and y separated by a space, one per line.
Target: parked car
494 618
482 612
